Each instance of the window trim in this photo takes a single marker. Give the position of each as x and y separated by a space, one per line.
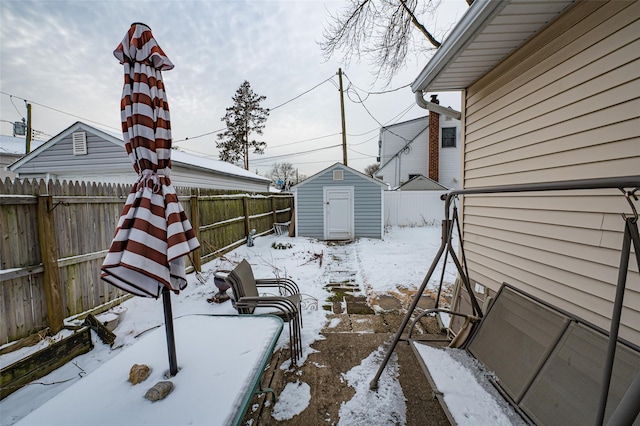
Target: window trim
454 138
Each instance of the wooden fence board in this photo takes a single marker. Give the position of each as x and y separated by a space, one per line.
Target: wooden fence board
85 218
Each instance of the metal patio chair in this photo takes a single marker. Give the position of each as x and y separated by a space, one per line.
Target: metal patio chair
286 304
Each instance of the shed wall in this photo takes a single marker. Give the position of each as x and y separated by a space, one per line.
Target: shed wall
367 205
564 106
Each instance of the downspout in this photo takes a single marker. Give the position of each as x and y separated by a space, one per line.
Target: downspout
430 106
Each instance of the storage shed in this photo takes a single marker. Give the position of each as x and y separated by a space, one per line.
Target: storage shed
339 203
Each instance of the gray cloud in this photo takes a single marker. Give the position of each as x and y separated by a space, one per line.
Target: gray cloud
59 54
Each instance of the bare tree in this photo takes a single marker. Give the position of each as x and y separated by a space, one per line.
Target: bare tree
381 29
283 175
371 169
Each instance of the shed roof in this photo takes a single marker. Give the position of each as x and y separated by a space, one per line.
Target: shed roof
421 182
488 32
177 157
338 166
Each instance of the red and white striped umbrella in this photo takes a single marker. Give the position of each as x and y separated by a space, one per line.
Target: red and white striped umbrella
153 233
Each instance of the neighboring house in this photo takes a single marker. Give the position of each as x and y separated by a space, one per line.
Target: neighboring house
554 95
339 203
11 149
427 146
84 153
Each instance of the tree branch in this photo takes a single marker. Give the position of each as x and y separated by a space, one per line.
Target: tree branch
421 27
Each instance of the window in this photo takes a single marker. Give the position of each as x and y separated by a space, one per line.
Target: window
448 137
338 175
79 140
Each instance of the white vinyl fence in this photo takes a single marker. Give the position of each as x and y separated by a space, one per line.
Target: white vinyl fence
413 208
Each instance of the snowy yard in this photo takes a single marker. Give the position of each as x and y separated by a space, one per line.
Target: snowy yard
390 266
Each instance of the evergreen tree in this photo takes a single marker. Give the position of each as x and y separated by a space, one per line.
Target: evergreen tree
245 117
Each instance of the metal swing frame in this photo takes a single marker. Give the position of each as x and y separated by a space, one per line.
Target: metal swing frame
628 407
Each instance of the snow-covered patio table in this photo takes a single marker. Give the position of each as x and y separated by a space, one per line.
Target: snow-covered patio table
221 359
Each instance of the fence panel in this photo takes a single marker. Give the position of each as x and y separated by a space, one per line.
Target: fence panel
85 216
413 208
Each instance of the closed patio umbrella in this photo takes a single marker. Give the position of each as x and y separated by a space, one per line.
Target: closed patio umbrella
153 235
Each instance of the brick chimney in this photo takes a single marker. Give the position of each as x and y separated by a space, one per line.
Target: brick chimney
434 141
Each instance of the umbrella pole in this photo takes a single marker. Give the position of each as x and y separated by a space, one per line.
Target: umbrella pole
168 325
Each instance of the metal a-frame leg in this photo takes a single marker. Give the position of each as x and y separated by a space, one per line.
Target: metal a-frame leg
623 410
447 232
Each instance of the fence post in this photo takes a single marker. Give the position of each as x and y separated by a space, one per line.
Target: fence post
49 254
195 223
245 206
273 208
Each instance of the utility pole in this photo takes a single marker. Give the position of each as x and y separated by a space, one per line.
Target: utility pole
28 138
344 126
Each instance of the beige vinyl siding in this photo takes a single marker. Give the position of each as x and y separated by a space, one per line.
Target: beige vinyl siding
564 106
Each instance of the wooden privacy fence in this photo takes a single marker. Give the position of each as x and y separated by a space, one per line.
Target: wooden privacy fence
55 236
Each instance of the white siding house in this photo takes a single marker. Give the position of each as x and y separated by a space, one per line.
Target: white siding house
84 153
554 95
405 150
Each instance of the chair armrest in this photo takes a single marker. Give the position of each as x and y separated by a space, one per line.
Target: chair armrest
287 284
283 304
271 301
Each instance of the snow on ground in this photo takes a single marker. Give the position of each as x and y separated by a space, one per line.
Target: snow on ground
388 400
293 399
401 260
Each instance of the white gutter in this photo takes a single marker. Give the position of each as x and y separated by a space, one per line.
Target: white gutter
473 20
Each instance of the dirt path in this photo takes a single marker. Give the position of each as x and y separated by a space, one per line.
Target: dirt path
343 348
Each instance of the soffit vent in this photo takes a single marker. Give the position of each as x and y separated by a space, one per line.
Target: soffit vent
79 140
338 175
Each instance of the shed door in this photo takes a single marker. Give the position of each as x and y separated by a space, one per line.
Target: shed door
338 213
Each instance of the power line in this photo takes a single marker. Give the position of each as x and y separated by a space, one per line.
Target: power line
379 93
295 153
376 93
363 142
270 109
361 153
16 108
407 141
320 161
301 94
269 147
397 117
199 136
365 133
305 140
60 111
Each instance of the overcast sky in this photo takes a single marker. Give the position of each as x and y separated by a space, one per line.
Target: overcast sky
58 56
